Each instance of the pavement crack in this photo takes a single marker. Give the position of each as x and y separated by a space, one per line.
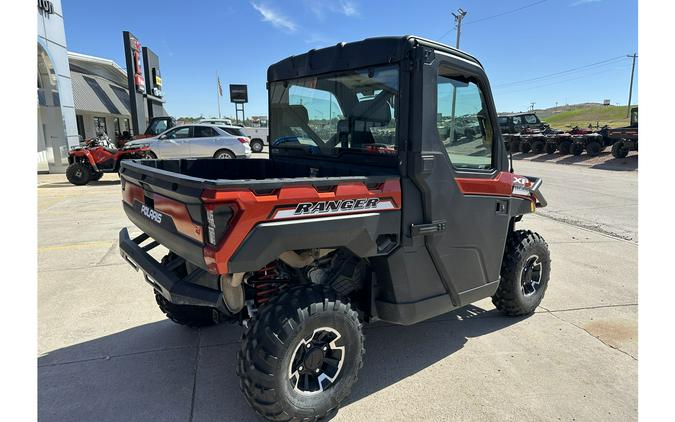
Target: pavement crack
194 378
584 308
552 313
592 227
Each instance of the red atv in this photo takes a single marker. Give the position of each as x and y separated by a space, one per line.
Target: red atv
97 156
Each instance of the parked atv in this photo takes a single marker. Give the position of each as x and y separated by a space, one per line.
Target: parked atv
377 215
625 139
98 156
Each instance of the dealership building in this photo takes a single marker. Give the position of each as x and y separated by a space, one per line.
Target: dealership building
80 95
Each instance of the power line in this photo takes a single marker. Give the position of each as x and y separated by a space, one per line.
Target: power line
506 13
497 15
562 72
518 90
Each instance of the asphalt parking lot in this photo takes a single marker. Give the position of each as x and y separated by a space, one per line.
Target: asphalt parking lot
106 353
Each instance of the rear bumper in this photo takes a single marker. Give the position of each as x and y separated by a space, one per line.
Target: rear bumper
163 280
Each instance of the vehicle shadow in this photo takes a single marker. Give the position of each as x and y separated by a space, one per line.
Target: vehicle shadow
68 184
156 371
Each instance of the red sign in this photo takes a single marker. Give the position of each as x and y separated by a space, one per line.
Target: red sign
139 80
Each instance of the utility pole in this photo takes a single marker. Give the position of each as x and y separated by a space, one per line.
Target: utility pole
630 90
458 25
532 106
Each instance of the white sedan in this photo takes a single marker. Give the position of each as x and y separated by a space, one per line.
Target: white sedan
195 141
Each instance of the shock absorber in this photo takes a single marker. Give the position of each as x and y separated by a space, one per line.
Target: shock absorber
266 283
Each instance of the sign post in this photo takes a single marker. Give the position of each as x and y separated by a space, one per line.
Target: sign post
239 95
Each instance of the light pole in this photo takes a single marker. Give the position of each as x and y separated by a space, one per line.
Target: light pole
630 90
458 24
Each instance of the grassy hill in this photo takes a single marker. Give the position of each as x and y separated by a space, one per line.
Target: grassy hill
565 117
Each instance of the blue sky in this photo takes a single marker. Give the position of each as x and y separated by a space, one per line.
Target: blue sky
565 51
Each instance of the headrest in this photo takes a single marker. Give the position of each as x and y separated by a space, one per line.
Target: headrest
374 110
291 115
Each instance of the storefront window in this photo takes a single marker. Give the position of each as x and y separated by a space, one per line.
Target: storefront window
118 132
100 126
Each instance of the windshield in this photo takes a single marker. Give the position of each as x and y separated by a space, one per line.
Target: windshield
353 111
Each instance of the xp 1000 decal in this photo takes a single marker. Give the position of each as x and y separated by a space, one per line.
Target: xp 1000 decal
341 206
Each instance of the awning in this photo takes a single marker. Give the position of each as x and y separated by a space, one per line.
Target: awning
99 95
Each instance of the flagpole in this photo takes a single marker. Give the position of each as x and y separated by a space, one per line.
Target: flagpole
218 92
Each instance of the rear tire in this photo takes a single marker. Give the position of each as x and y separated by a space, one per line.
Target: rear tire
525 147
551 148
305 331
619 149
256 145
576 148
79 174
565 147
224 154
97 176
526 269
538 147
192 316
593 148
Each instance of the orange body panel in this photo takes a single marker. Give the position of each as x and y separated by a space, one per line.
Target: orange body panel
253 209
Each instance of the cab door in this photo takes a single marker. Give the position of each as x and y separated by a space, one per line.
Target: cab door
462 175
203 142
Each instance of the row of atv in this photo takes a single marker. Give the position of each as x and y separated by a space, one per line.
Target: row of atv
574 142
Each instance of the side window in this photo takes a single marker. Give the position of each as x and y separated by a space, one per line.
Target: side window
463 123
204 132
181 132
517 120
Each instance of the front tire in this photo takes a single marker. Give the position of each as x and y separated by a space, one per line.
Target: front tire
79 174
551 147
593 148
619 149
301 354
526 269
224 154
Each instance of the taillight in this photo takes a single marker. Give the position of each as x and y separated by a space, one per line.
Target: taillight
243 140
218 217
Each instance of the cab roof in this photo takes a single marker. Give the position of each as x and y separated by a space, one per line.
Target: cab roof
354 55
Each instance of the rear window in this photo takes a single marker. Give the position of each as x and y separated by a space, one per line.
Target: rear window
531 119
233 131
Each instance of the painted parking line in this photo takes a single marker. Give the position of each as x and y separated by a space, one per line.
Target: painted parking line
81 245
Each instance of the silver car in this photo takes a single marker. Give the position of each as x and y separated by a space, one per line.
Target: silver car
195 141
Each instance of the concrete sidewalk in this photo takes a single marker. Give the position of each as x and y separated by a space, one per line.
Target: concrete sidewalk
106 353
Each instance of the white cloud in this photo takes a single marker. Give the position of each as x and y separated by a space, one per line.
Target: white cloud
580 2
343 7
348 8
275 18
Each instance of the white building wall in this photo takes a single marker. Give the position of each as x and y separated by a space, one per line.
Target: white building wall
60 135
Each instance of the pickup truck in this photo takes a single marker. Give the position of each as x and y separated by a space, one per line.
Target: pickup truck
370 207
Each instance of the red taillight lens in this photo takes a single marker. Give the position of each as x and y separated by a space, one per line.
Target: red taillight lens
243 140
218 218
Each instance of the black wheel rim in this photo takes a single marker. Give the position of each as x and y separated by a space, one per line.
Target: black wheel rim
317 361
530 276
